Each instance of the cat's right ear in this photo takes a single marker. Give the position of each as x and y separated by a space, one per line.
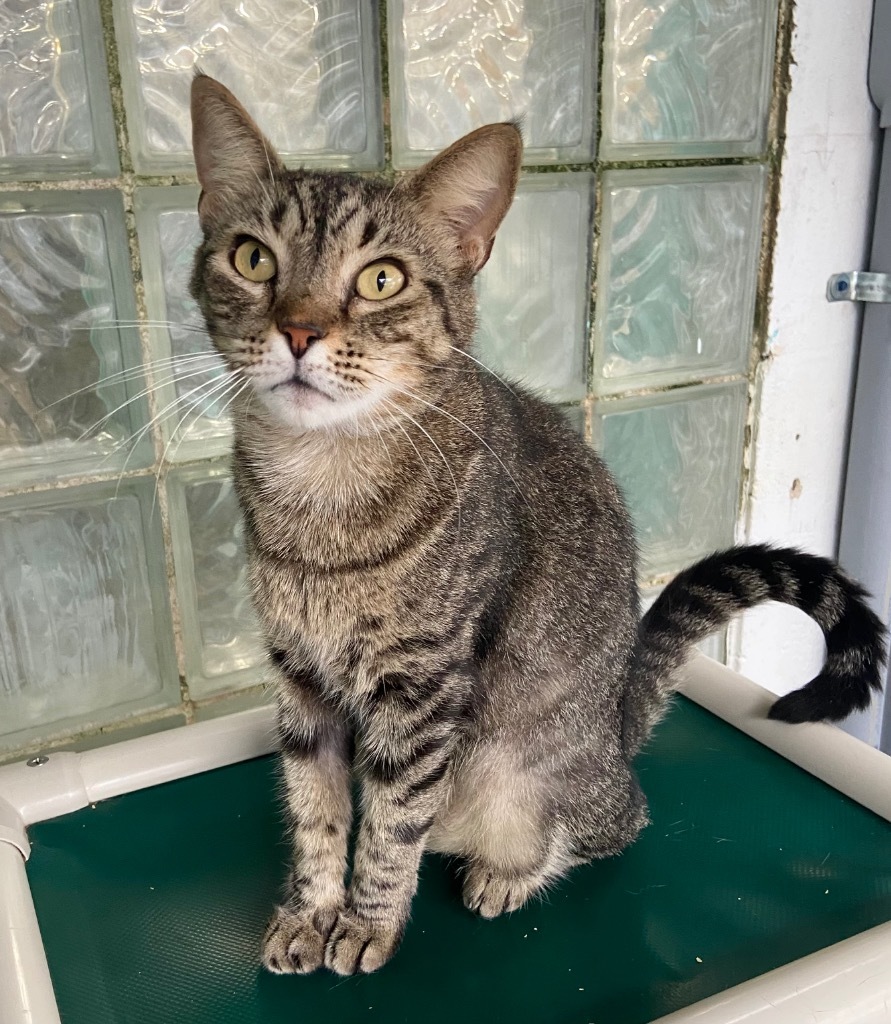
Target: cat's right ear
232 155
469 187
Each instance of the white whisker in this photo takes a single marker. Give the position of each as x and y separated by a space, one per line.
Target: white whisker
444 459
421 459
142 394
119 325
420 366
134 439
123 375
220 388
488 369
460 423
196 404
231 399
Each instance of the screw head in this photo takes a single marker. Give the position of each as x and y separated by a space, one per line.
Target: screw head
37 762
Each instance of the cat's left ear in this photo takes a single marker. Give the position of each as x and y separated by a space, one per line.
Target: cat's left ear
469 187
232 155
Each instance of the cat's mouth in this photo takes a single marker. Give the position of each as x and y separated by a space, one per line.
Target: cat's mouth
297 386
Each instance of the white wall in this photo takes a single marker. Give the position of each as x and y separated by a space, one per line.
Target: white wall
798 458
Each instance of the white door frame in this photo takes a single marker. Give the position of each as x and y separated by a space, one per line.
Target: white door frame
804 391
865 547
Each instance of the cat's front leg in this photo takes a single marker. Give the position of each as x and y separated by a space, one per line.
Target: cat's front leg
315 767
404 756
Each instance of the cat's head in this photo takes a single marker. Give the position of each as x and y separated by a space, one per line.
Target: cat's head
333 295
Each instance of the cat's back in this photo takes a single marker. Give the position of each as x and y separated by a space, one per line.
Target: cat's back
563 483
574 543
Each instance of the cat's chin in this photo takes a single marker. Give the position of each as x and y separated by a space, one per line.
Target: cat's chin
301 393
300 408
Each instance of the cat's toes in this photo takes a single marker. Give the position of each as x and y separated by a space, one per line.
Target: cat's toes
490 893
358 945
295 940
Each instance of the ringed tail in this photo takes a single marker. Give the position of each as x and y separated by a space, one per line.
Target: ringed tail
704 597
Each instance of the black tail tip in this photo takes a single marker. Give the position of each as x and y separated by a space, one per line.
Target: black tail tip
827 698
795 708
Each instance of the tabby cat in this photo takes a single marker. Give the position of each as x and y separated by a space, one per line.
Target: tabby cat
444 572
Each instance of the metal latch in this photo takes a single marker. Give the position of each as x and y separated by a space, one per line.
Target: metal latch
859 286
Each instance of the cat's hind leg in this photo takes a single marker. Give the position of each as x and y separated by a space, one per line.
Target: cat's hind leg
604 810
499 819
522 828
493 888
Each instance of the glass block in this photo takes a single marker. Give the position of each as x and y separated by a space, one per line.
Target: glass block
56 119
221 633
713 646
87 635
678 274
533 292
71 382
189 379
683 78
306 71
677 458
457 66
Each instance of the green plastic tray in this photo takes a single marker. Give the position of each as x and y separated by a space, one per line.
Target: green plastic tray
152 905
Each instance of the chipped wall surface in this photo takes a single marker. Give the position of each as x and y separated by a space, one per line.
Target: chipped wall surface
806 380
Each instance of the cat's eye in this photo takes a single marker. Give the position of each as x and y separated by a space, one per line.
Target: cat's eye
380 280
254 261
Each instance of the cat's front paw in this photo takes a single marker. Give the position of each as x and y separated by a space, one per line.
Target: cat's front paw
491 893
295 940
358 945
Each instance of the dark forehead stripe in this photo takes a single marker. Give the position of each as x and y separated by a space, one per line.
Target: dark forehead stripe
297 202
277 213
343 218
369 233
328 193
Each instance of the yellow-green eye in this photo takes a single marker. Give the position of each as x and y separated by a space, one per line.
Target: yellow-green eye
254 261
380 281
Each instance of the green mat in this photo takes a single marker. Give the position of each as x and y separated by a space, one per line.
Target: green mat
152 905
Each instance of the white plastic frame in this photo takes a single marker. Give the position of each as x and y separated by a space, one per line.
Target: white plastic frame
851 981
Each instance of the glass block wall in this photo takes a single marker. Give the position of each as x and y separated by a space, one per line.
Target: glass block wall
623 286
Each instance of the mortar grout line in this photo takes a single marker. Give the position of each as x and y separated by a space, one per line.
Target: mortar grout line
128 186
133 179
384 65
759 353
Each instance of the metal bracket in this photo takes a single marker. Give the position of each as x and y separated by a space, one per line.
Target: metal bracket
859 286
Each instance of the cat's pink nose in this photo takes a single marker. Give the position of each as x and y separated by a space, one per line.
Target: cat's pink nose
300 336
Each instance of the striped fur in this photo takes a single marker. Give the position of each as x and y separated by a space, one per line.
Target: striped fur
444 573
706 596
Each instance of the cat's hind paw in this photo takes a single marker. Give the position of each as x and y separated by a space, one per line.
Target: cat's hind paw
295 940
358 945
491 893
